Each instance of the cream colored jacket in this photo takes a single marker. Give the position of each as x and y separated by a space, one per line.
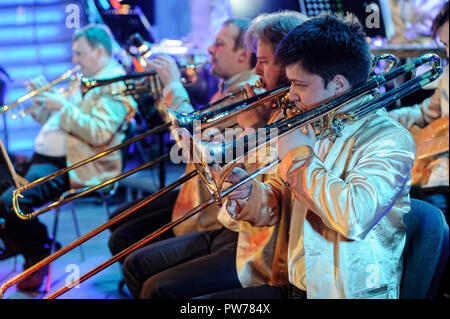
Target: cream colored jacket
340 217
424 113
97 122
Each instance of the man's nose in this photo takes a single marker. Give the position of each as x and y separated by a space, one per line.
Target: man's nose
292 96
211 49
258 69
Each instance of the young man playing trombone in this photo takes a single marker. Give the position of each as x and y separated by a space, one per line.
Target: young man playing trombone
169 269
339 199
73 129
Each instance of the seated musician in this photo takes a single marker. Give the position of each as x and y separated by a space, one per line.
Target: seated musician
205 265
233 65
433 175
339 201
434 187
73 129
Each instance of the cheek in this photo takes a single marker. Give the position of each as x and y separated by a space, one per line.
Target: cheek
309 97
271 77
220 53
88 59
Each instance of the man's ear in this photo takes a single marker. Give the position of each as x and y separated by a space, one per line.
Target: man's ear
99 51
341 84
244 55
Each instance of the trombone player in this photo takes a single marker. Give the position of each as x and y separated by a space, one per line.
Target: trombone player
233 64
160 270
340 198
74 127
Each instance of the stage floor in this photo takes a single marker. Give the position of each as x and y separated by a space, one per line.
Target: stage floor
104 285
90 215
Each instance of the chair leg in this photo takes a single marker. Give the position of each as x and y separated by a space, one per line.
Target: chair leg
77 229
55 226
52 248
106 205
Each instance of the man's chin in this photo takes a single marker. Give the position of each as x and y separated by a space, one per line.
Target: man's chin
214 72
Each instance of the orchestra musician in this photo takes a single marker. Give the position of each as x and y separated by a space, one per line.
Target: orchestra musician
340 199
74 127
434 187
183 267
432 172
233 64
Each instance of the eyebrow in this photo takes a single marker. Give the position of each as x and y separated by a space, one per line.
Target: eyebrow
297 80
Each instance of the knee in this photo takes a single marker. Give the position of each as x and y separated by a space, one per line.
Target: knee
116 243
131 276
157 287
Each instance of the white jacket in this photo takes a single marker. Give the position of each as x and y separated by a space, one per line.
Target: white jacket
344 235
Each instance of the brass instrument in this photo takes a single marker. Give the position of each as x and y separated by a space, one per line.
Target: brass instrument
337 122
390 60
203 116
140 82
68 74
146 82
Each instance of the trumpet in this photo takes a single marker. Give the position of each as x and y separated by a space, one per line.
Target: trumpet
67 75
141 82
146 82
337 122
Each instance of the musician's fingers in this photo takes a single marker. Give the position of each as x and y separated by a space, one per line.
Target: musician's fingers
249 90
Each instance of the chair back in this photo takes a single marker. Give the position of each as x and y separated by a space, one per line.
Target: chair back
426 250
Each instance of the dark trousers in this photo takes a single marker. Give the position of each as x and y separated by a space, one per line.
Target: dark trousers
259 292
142 222
184 267
439 197
30 236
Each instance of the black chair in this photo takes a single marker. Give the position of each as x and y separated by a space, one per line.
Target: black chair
426 250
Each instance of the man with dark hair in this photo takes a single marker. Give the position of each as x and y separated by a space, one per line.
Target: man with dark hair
73 129
338 200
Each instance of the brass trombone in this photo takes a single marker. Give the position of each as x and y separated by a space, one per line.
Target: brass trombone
251 102
205 118
337 122
68 74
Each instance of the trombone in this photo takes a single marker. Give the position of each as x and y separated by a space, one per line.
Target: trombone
68 74
337 122
207 118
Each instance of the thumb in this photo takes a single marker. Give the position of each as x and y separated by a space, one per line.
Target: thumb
249 90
